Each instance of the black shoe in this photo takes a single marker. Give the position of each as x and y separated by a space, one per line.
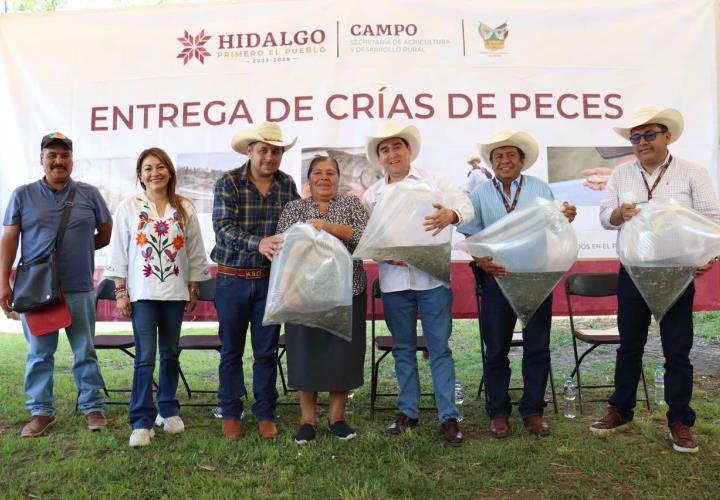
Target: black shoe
305 434
342 430
401 422
451 432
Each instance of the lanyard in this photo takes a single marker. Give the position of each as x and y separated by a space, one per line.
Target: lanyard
509 208
662 168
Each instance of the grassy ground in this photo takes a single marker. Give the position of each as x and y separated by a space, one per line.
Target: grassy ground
72 462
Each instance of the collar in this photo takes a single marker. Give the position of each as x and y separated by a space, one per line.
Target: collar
412 174
44 185
665 163
514 183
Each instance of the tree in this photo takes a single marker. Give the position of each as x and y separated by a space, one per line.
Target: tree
33 5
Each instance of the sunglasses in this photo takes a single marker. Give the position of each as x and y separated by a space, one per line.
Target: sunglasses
648 135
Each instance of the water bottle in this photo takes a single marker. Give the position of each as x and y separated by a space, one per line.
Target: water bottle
459 399
350 405
569 394
660 385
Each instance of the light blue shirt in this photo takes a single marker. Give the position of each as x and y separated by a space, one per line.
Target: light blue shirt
489 206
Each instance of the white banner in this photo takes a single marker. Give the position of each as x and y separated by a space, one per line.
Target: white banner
185 78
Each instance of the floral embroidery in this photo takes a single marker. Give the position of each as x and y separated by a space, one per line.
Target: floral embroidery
161 228
158 247
141 239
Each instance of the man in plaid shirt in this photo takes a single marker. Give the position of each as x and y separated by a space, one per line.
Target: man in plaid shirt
246 208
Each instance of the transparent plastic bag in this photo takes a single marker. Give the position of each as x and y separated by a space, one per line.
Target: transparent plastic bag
395 230
311 282
662 246
536 244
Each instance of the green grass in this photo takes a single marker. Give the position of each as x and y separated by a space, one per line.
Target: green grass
72 462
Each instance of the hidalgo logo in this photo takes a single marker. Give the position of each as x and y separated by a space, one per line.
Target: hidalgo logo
494 38
194 47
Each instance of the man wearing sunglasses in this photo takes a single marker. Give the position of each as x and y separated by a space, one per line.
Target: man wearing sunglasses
654 173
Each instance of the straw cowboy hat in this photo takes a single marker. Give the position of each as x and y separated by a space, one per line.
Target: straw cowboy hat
521 140
669 117
267 132
389 129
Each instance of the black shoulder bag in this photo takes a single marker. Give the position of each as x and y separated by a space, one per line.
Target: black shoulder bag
37 283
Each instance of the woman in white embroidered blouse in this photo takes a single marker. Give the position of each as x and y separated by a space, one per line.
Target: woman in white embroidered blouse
157 259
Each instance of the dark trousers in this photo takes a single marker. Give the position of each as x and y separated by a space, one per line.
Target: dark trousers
241 302
498 322
676 334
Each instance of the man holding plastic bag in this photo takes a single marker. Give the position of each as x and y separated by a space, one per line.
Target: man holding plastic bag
509 154
407 290
247 204
655 173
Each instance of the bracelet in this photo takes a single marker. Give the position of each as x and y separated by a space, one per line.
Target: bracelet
195 291
122 294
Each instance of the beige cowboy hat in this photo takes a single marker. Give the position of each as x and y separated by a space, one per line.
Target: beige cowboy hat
669 117
521 140
267 132
389 129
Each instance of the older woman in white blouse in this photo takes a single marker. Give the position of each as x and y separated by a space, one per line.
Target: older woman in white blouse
157 259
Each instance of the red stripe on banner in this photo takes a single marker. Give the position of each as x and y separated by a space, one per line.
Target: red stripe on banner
463 285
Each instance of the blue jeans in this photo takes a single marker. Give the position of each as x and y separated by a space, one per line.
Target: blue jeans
155 322
498 323
240 302
86 371
676 334
435 308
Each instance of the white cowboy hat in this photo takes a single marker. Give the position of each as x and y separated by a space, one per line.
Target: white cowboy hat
267 132
521 140
669 117
389 129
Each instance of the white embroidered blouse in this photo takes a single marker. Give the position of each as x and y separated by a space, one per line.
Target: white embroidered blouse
157 255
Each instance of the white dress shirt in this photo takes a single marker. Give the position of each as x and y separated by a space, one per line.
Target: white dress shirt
686 182
394 278
157 255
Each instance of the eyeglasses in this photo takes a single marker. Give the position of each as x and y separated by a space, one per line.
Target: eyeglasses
648 135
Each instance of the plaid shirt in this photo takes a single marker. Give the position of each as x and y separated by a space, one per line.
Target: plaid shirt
242 216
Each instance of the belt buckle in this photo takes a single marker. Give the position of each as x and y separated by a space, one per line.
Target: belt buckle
254 274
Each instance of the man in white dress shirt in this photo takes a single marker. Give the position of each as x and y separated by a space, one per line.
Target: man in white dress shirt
654 173
406 290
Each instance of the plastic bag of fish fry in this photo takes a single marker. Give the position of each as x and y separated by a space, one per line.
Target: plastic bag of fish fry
661 247
395 230
311 282
536 244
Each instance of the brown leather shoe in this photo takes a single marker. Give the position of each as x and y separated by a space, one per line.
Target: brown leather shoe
682 438
231 428
537 425
401 423
612 422
96 420
37 426
267 429
451 432
500 427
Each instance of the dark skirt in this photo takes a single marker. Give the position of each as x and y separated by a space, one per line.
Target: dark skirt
318 361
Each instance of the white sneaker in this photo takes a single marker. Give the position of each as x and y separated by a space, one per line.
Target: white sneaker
141 437
171 425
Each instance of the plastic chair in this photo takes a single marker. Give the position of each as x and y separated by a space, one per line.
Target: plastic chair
206 293
517 341
593 285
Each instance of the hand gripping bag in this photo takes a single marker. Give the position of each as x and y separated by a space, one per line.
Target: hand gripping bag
395 230
536 244
660 248
311 282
